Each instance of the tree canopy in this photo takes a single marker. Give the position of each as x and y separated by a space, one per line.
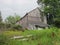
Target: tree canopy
12 19
51 7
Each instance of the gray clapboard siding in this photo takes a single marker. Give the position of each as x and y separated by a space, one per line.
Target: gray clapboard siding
33 18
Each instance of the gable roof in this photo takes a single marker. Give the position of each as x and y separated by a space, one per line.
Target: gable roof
30 12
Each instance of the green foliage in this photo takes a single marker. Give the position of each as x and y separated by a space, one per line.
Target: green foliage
3 40
10 23
0 18
57 24
12 19
17 17
17 27
7 26
39 37
2 26
52 7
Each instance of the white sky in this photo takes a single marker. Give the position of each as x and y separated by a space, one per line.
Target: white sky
21 7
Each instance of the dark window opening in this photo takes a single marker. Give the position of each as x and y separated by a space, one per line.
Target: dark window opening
37 26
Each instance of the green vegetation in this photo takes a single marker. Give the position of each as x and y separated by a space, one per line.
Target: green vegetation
38 37
0 17
16 35
10 23
51 8
12 19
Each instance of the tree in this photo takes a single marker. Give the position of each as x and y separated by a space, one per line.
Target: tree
51 8
10 22
1 22
17 17
0 18
12 19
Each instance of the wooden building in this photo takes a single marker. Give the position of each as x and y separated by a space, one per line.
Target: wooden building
33 20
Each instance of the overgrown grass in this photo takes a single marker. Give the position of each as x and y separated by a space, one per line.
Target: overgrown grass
39 37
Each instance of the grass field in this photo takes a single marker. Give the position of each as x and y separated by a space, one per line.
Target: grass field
39 37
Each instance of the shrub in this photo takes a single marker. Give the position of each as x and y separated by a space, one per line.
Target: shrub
57 24
8 25
2 26
17 27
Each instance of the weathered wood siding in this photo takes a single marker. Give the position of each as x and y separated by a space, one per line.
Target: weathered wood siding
34 16
31 18
23 22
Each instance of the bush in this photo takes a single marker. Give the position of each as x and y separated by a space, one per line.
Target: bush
2 26
57 24
8 25
17 27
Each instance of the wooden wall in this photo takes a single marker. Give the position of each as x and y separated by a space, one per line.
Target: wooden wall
33 17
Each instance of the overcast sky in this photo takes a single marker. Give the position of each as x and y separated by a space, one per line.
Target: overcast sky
20 7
